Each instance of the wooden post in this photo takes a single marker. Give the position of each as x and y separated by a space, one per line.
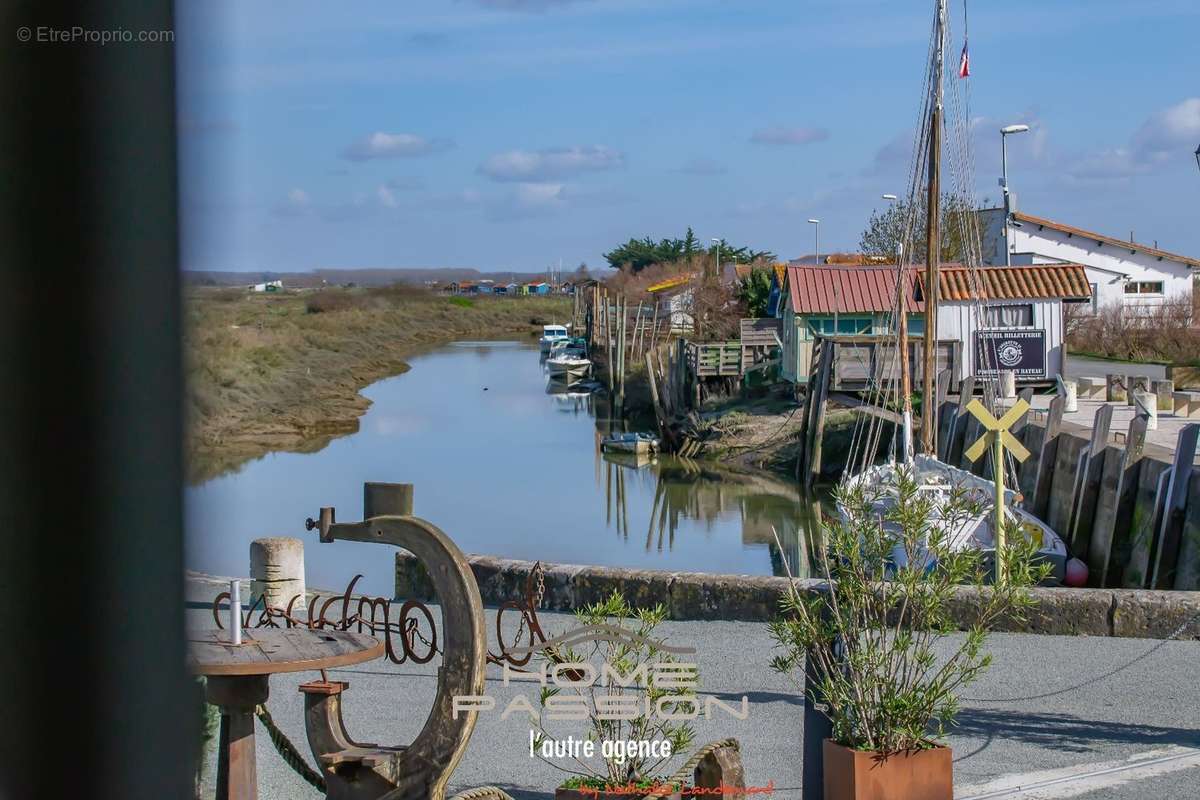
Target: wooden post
1087 485
820 396
998 438
1167 550
1114 508
1044 471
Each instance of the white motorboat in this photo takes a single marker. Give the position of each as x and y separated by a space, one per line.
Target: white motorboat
568 368
552 334
974 531
636 443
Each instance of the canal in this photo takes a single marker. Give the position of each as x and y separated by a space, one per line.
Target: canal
506 469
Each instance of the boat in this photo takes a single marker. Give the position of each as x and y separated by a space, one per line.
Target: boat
568 368
974 531
636 443
571 346
552 334
943 481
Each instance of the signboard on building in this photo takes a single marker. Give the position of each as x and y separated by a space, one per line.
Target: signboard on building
1022 351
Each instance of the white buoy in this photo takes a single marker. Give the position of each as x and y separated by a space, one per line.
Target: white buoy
1145 404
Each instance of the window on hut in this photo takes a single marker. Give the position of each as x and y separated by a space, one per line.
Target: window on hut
1013 316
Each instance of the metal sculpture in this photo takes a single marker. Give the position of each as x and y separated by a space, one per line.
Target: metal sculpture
355 771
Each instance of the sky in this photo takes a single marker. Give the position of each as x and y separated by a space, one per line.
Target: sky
510 134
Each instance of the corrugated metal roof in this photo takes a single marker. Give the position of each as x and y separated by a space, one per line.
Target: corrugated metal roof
670 283
849 290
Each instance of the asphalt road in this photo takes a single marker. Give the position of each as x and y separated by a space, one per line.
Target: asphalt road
1049 710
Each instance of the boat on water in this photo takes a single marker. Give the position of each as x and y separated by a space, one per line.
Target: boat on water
635 443
568 368
552 334
571 346
946 484
971 531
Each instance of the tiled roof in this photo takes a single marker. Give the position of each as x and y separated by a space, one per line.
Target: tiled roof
849 290
1038 281
1030 219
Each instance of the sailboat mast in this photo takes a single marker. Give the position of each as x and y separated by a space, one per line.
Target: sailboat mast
902 346
933 242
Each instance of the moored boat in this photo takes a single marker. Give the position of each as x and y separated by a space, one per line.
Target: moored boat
636 443
568 368
552 334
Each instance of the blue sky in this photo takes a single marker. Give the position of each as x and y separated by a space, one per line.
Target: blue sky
507 134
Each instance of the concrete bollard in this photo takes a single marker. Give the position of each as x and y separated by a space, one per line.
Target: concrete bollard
1165 391
277 571
1134 384
1146 405
1008 384
1114 388
1069 389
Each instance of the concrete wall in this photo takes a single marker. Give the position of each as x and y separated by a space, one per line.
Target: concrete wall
699 596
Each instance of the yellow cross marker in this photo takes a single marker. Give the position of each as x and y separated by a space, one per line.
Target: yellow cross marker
996 434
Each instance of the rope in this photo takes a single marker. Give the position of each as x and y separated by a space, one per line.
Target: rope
481 792
288 752
683 775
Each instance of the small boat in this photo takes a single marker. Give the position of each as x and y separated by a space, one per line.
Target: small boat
573 346
973 532
636 443
568 368
552 334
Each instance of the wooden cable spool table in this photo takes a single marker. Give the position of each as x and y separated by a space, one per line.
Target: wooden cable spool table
237 684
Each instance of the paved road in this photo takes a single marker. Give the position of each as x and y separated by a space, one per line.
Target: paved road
1049 709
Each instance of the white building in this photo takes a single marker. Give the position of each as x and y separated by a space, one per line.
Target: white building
1134 276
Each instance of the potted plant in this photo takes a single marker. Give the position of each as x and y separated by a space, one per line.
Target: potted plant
874 628
630 650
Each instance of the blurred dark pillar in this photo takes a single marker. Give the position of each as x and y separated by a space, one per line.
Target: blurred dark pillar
95 699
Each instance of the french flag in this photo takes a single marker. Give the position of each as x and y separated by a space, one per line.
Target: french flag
964 63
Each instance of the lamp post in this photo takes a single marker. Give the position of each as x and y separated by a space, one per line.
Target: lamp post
1005 132
816 223
717 258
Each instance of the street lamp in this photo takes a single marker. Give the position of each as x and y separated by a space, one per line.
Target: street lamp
1005 132
890 197
717 257
816 223
1198 156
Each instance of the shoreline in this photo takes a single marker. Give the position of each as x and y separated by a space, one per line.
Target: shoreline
266 375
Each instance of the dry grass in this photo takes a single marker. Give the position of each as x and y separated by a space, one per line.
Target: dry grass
1164 333
282 371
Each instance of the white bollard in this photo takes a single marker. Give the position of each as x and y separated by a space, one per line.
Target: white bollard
1008 384
1070 390
277 571
1146 404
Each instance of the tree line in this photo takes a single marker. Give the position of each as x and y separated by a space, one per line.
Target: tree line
637 254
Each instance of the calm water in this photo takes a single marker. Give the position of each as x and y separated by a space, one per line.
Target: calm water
506 469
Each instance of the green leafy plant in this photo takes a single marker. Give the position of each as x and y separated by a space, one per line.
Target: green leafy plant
874 628
755 291
626 655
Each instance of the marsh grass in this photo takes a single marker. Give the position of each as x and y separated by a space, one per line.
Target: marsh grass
283 370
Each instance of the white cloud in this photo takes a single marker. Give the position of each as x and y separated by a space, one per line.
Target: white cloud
1166 137
789 136
385 197
540 166
393 145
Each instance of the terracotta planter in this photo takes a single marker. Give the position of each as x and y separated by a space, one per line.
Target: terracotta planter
578 794
914 775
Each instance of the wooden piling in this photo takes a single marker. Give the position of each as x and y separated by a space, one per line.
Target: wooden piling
1167 545
1087 485
1043 465
1114 507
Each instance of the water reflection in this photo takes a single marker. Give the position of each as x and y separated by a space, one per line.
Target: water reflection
770 512
507 469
